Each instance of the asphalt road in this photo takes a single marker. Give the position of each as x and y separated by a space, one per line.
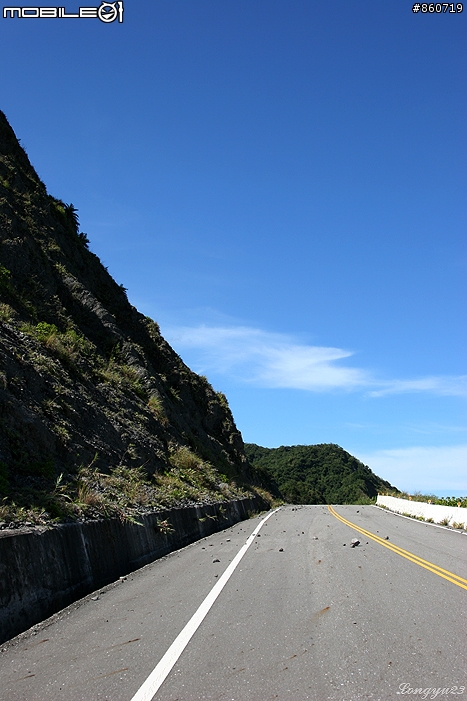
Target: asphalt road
303 616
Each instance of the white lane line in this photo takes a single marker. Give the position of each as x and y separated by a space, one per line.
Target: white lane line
160 672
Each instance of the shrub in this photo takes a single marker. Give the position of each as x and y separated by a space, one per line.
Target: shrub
458 524
222 400
195 477
164 526
72 215
6 312
5 278
156 406
124 377
68 346
441 501
83 238
184 459
44 331
59 206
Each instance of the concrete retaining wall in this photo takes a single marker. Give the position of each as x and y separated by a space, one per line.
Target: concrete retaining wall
42 570
438 513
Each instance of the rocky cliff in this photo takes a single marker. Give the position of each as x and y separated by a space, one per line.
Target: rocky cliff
98 414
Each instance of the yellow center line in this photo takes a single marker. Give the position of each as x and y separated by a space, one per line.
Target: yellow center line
454 578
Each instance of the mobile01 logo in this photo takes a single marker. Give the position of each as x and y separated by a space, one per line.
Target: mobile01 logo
107 12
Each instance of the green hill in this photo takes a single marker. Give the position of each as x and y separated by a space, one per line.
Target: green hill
98 415
317 474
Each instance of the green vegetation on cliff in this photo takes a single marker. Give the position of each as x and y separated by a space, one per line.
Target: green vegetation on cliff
98 415
317 474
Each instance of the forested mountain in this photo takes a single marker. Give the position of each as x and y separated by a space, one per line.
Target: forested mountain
98 414
317 474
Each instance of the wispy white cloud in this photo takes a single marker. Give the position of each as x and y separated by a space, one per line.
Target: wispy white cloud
267 359
446 385
437 469
276 360
424 428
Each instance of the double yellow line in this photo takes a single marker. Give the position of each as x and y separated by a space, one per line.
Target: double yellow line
454 578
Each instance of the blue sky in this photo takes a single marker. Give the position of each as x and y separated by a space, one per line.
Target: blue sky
282 186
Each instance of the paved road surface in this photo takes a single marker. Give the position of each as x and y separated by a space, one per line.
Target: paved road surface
316 620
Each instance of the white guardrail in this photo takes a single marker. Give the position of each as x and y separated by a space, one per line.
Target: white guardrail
445 515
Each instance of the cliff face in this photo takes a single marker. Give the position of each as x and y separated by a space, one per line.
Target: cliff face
84 377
